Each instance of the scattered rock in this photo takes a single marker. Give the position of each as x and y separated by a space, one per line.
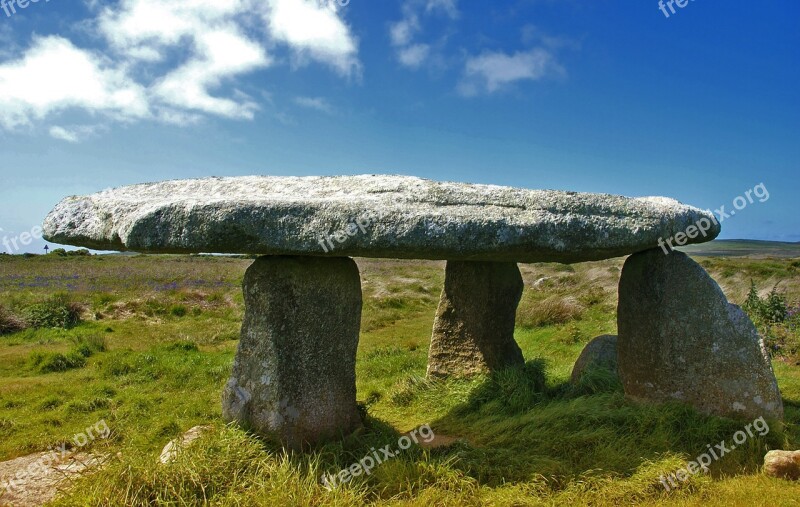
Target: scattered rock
783 464
294 375
173 447
601 352
540 282
369 216
680 339
474 327
36 479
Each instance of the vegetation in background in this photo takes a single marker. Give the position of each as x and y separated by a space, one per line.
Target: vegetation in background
157 343
777 322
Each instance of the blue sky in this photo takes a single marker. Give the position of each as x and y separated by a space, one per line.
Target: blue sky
600 96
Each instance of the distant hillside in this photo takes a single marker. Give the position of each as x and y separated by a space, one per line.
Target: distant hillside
744 248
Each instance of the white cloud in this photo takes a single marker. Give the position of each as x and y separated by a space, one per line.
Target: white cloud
317 103
175 62
413 56
449 7
313 30
402 33
220 54
54 75
492 71
74 133
146 30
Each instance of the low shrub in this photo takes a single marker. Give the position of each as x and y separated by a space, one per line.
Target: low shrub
772 309
55 312
10 323
776 321
178 310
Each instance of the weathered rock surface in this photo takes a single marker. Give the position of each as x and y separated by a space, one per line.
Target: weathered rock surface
369 216
294 375
36 479
170 451
474 327
601 352
783 464
680 339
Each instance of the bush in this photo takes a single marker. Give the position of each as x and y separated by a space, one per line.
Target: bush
10 323
770 310
775 321
178 311
56 312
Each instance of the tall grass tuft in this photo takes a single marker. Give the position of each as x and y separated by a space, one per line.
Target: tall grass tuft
553 310
50 362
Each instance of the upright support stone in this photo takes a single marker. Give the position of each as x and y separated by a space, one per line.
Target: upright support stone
474 327
680 339
294 374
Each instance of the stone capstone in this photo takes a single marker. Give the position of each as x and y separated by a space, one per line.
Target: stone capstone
474 327
294 375
680 340
370 216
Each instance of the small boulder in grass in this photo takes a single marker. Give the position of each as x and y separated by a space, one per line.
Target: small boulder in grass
601 352
173 447
783 465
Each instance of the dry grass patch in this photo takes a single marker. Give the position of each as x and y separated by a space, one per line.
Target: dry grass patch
553 310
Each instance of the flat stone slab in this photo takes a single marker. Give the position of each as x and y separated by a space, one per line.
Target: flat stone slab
369 216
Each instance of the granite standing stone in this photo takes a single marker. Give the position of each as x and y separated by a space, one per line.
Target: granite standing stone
294 375
474 327
680 339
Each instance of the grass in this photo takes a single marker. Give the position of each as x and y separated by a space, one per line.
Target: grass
156 343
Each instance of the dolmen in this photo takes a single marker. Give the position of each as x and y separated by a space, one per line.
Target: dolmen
293 378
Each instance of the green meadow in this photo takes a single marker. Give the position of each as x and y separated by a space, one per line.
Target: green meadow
146 344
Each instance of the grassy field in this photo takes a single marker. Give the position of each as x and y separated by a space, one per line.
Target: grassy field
156 342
